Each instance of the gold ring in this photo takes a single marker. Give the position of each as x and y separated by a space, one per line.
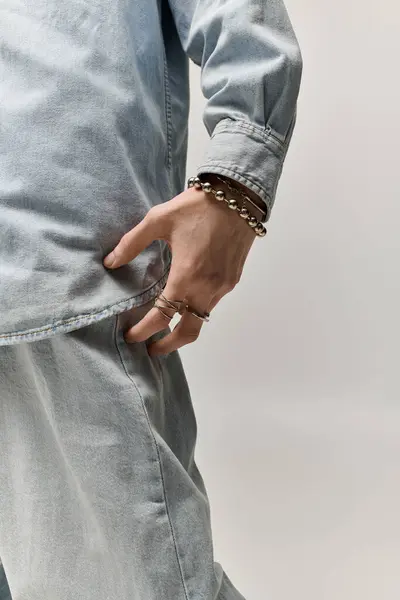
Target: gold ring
203 317
175 304
165 315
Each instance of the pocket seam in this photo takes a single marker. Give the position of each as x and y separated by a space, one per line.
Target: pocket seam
158 455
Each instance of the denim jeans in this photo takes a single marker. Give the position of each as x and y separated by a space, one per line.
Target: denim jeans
101 495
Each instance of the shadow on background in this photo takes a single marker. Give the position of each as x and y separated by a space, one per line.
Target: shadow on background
5 593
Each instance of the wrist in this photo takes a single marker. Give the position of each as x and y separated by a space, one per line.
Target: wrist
231 196
216 180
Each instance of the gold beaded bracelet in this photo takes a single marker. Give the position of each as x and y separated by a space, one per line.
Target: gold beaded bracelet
244 212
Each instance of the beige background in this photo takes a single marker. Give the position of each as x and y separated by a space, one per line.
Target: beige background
296 378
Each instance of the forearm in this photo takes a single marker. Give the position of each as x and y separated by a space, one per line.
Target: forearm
250 75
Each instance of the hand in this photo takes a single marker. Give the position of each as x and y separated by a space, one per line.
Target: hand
209 245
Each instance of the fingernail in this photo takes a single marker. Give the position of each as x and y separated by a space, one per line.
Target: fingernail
109 260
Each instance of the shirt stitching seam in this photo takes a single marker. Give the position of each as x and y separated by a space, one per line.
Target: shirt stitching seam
168 112
253 180
242 126
83 316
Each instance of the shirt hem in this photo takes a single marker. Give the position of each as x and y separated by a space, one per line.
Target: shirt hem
76 322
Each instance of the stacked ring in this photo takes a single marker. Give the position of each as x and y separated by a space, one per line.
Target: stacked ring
178 306
203 317
175 305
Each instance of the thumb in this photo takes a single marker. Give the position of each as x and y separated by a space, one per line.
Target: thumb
133 242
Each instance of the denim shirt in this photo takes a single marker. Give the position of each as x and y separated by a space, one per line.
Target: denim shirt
94 101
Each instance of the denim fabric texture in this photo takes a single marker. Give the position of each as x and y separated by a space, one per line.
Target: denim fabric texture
94 101
101 498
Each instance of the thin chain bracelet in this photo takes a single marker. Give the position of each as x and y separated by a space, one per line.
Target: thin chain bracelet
256 225
244 196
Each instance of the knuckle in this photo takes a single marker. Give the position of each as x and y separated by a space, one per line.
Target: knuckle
229 285
151 217
154 213
226 288
157 221
234 280
219 281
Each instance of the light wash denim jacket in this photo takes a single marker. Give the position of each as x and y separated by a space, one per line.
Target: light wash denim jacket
94 101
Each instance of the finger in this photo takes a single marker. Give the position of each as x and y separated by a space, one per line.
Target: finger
134 241
186 332
219 295
155 320
151 323
214 301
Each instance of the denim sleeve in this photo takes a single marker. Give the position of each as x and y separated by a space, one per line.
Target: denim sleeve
251 68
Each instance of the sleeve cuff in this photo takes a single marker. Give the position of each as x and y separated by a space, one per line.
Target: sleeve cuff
247 153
